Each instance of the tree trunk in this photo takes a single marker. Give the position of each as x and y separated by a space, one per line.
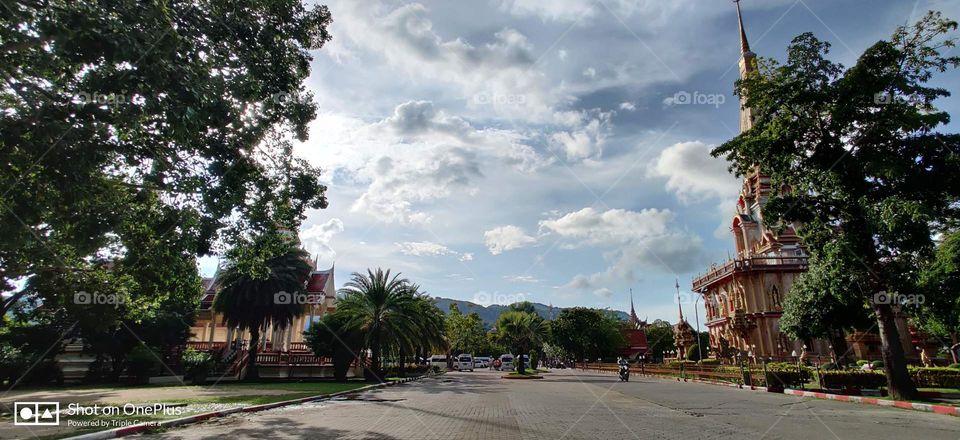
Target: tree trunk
375 355
839 341
252 373
954 348
400 370
519 361
894 361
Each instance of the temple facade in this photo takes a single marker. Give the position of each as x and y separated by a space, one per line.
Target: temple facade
635 335
744 296
320 299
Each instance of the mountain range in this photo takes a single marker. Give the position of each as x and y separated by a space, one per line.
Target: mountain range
490 313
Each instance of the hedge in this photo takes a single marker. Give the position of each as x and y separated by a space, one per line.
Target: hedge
935 377
852 379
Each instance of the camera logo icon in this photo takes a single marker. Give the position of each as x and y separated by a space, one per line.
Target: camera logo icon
682 97
82 298
882 298
36 413
282 298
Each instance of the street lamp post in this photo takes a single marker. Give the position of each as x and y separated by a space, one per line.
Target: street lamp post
696 314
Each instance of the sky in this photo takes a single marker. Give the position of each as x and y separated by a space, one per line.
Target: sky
553 151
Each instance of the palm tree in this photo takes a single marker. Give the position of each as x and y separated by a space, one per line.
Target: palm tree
250 302
431 331
521 331
384 309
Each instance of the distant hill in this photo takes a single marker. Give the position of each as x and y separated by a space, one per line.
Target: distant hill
490 313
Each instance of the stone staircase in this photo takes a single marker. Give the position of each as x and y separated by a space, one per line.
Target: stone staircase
73 362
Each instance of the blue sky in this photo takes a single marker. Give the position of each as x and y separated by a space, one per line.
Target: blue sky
505 150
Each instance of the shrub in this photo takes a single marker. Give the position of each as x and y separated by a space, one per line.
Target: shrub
784 378
829 366
876 365
935 377
710 361
954 366
852 379
862 362
141 363
196 365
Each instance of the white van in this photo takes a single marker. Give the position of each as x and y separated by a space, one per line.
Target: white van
465 362
506 362
438 360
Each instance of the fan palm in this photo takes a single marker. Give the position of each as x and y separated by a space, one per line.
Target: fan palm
384 308
250 303
521 331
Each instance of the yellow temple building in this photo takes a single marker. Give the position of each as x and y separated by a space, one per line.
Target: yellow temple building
210 331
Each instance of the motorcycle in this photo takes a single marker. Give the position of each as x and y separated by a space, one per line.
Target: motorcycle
624 372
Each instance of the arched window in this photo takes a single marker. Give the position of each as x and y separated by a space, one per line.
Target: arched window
775 296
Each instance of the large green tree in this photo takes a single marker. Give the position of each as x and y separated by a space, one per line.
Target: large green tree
120 107
940 285
856 161
587 333
465 333
253 300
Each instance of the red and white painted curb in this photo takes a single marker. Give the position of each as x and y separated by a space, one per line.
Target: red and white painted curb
928 407
137 429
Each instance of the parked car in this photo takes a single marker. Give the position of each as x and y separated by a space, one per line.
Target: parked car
480 363
506 362
465 362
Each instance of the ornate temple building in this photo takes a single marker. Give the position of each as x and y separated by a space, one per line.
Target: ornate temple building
635 334
320 298
744 297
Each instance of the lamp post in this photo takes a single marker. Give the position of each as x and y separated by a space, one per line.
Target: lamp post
696 314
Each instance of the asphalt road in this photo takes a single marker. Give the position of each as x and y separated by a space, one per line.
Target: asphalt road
573 405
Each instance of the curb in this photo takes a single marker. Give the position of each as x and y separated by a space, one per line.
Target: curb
927 407
136 429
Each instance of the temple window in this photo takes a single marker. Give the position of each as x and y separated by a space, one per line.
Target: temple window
775 296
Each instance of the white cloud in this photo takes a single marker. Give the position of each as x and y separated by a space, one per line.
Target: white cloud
521 278
316 238
692 174
431 249
636 240
628 106
505 238
603 292
585 142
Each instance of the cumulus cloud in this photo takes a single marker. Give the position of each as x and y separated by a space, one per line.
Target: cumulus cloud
603 292
634 239
316 238
692 174
505 238
396 186
431 249
586 141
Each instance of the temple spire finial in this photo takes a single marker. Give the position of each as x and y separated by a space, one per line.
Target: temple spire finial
679 306
744 45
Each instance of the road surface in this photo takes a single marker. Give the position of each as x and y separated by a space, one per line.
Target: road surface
573 405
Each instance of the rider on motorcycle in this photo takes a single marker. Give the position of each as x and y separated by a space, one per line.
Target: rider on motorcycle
624 370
